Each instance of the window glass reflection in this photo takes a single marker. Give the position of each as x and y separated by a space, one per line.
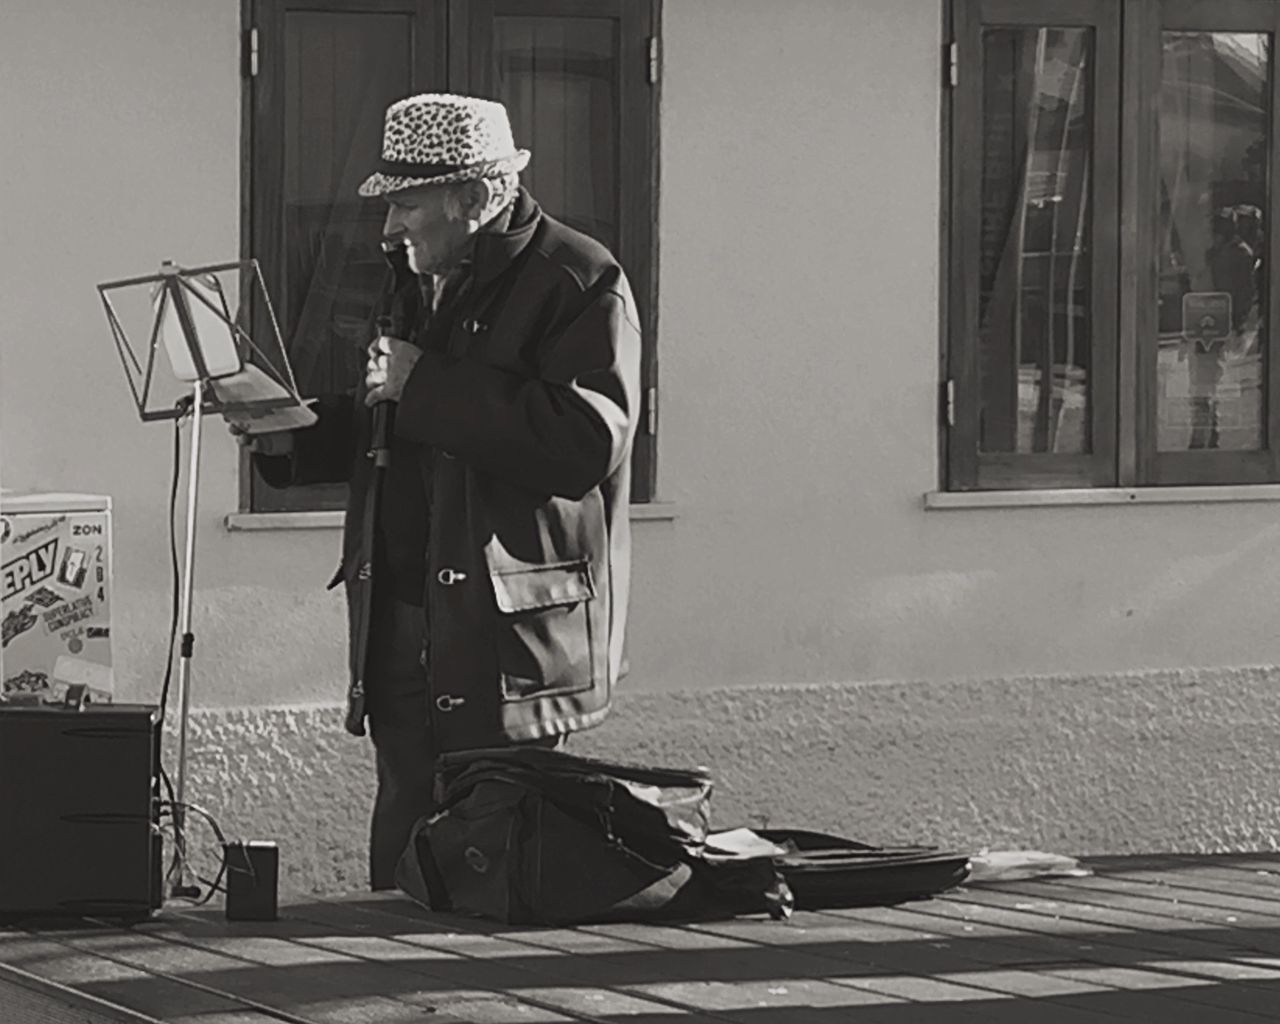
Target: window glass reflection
559 80
341 71
1214 115
1035 333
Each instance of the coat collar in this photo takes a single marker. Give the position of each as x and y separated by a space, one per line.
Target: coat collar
495 251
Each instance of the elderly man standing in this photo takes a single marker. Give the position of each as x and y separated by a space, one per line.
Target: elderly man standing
487 565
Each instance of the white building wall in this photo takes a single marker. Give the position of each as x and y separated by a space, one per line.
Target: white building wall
798 348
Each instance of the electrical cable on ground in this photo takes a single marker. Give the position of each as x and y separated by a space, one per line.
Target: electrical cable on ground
214 885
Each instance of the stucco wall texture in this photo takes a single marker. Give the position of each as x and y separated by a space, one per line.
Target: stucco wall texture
1163 761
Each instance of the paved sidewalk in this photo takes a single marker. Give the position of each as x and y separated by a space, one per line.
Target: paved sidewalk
1169 939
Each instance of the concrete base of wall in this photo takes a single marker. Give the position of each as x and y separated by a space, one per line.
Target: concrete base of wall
1163 761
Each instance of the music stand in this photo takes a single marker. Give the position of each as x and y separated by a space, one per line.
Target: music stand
206 349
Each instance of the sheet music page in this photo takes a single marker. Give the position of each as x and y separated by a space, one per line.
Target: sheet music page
251 384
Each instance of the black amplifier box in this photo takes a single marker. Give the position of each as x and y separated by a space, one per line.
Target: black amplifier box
79 799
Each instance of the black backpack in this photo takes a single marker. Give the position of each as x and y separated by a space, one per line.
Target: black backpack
527 835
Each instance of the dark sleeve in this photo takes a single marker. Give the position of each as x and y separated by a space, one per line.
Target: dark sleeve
562 432
322 453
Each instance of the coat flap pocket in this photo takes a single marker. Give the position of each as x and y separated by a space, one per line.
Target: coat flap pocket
543 586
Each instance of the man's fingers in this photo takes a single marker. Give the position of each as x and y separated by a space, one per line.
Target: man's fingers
390 361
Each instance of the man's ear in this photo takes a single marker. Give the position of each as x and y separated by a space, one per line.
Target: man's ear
473 199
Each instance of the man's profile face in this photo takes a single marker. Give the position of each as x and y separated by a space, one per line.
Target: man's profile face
432 229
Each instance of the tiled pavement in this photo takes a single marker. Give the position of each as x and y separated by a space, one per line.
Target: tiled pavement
1161 939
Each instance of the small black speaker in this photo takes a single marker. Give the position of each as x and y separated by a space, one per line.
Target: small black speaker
253 871
79 804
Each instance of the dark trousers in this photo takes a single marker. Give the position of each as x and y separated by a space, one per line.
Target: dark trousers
396 703
400 727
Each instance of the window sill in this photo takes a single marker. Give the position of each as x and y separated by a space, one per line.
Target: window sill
943 500
239 522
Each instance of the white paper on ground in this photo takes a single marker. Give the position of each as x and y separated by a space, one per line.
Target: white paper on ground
1014 865
736 843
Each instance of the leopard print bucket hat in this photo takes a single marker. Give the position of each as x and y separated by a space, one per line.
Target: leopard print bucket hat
435 139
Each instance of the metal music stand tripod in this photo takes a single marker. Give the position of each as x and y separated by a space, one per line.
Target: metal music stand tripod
228 374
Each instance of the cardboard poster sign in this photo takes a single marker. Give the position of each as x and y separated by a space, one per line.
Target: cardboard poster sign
1206 316
55 567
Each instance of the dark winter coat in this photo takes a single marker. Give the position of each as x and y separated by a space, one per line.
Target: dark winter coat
528 419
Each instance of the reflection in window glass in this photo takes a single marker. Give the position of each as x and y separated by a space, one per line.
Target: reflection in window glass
1214 145
341 70
1035 333
558 78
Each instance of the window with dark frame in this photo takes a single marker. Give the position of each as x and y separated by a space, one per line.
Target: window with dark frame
579 79
1111 167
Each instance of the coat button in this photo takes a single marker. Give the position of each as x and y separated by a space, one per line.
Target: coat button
447 702
450 576
364 572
